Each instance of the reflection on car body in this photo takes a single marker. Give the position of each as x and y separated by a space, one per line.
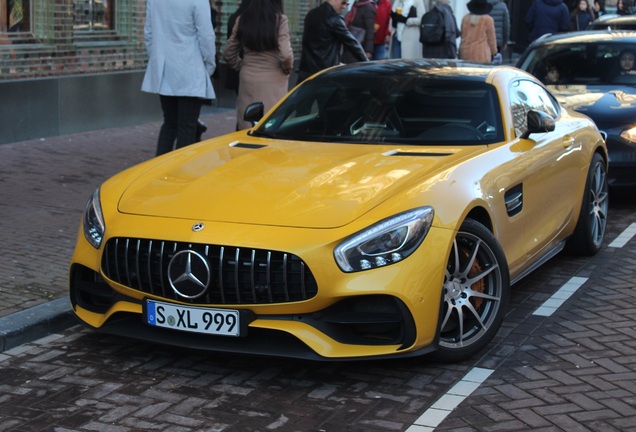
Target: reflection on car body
381 209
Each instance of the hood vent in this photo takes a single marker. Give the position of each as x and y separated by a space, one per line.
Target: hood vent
248 146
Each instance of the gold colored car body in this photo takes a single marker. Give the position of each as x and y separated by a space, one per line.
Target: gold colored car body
307 197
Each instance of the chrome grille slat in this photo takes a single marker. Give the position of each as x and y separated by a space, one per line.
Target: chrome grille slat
221 286
149 262
126 262
117 262
238 275
137 267
163 284
252 270
237 284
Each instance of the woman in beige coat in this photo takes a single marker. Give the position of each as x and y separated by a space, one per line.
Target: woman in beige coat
479 41
261 32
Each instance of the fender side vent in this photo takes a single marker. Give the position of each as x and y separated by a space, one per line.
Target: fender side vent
514 200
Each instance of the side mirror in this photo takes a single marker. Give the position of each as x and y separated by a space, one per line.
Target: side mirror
538 122
254 112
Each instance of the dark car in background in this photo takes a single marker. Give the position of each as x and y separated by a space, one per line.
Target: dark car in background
614 22
582 70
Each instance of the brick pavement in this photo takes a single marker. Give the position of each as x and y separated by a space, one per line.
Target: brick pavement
43 187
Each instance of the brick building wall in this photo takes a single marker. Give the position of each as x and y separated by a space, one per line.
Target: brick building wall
52 42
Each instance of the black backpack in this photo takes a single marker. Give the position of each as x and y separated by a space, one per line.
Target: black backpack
432 28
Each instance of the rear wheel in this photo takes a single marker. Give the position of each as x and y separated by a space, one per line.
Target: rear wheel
590 228
475 293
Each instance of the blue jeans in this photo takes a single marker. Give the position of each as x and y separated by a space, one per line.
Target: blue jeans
396 48
379 52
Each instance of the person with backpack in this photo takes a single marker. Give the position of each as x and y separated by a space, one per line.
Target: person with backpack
360 20
439 32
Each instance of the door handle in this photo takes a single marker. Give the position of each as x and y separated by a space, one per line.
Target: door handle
568 141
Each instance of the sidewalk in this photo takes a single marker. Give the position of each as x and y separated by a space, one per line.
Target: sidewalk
43 187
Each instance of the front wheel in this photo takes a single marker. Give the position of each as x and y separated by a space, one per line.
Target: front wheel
475 293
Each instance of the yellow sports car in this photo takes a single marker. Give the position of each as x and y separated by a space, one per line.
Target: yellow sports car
380 209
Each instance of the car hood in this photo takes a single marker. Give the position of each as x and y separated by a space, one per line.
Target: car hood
606 105
295 184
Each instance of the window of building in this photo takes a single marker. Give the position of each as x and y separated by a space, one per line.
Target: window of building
93 15
15 16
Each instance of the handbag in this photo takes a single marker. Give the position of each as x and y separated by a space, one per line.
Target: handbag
357 32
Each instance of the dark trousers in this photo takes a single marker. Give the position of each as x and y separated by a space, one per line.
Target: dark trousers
180 119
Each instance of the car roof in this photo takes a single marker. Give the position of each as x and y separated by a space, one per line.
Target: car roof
431 68
614 19
587 36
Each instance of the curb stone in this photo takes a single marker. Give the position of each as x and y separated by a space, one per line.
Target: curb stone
35 323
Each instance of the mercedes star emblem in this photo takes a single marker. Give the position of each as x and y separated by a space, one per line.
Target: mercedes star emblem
189 274
198 226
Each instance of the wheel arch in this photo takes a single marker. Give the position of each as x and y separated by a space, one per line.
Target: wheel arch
481 215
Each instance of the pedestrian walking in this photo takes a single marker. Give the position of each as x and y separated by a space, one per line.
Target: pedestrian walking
180 43
448 47
501 15
382 29
406 17
582 16
478 43
360 21
324 36
232 75
260 49
547 17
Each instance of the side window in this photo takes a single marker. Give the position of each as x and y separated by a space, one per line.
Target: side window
525 96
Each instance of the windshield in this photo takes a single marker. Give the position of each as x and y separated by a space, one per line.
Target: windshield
379 109
583 63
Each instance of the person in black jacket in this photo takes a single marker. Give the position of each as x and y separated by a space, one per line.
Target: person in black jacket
324 35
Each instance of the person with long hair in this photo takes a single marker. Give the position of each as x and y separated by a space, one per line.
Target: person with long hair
261 33
479 41
582 16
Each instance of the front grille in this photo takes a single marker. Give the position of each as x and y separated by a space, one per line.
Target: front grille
236 275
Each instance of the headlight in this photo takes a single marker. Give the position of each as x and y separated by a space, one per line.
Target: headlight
629 134
94 226
385 242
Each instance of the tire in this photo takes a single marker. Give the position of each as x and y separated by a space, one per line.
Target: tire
589 233
475 293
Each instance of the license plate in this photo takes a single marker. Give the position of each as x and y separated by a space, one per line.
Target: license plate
223 322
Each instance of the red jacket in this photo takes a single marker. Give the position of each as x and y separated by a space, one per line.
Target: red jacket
382 21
